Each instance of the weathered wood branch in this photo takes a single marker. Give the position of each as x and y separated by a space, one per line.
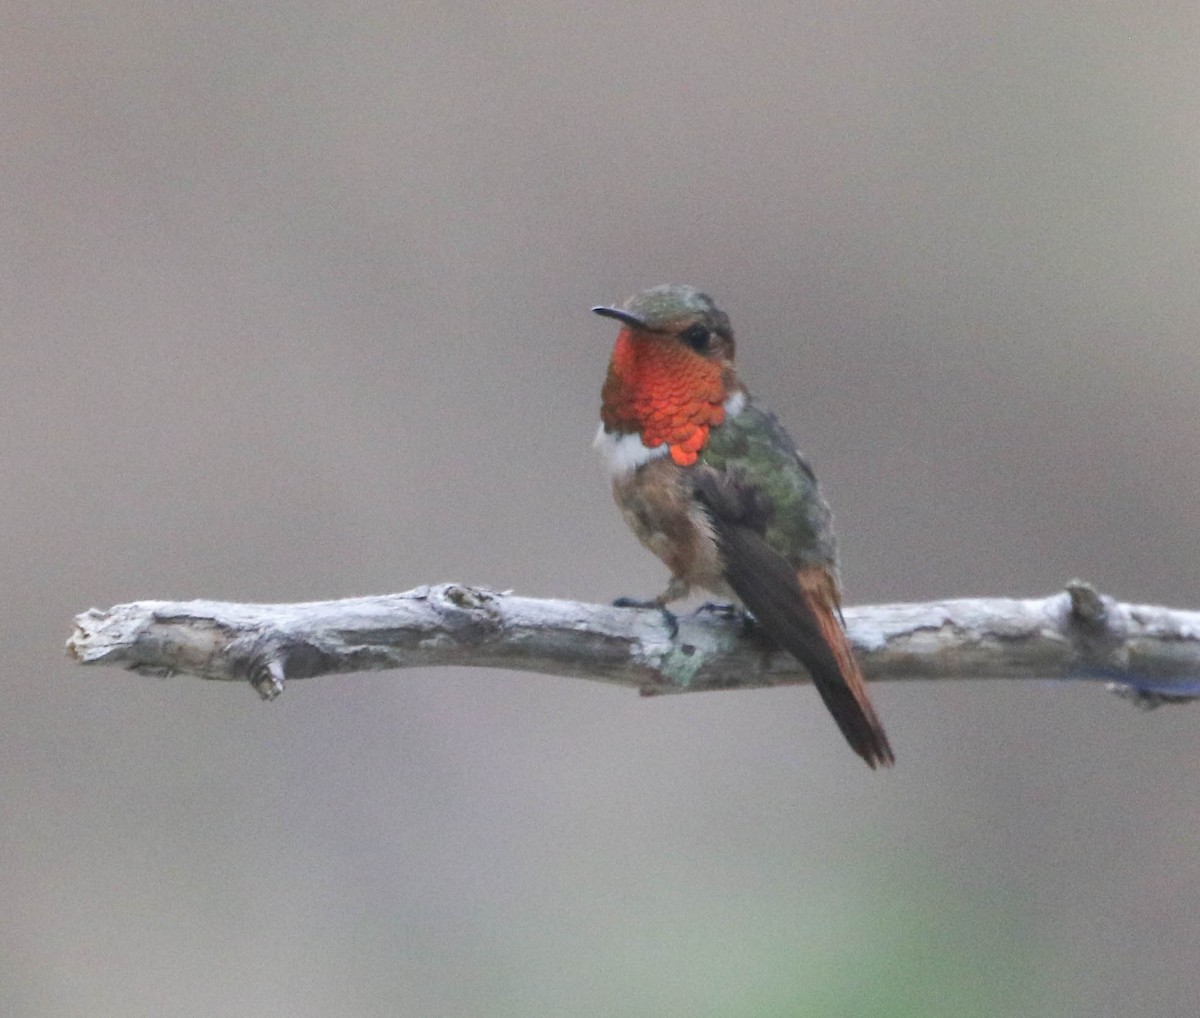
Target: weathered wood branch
1148 653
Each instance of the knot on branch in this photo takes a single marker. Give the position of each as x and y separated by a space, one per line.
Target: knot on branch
468 614
267 678
1087 605
1097 630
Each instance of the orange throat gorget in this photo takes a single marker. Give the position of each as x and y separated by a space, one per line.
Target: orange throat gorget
665 392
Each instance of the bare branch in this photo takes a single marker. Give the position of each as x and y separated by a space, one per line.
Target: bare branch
1150 654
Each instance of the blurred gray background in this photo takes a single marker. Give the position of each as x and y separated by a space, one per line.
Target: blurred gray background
294 306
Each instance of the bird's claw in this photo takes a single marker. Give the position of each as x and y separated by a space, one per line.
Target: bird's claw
728 610
669 618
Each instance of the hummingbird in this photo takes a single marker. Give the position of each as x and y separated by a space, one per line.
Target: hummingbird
713 485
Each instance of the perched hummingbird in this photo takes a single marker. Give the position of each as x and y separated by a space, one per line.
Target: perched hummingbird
713 485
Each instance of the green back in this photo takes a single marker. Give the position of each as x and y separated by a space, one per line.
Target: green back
755 446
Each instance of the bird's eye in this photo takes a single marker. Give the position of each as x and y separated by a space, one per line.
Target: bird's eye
696 336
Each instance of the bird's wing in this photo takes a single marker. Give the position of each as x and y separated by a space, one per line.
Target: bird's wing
797 607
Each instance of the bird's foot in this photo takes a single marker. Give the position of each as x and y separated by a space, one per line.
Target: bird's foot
669 618
726 609
733 612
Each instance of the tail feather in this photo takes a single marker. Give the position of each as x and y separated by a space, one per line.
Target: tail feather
799 610
843 689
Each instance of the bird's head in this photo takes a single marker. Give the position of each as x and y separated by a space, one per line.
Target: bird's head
671 370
